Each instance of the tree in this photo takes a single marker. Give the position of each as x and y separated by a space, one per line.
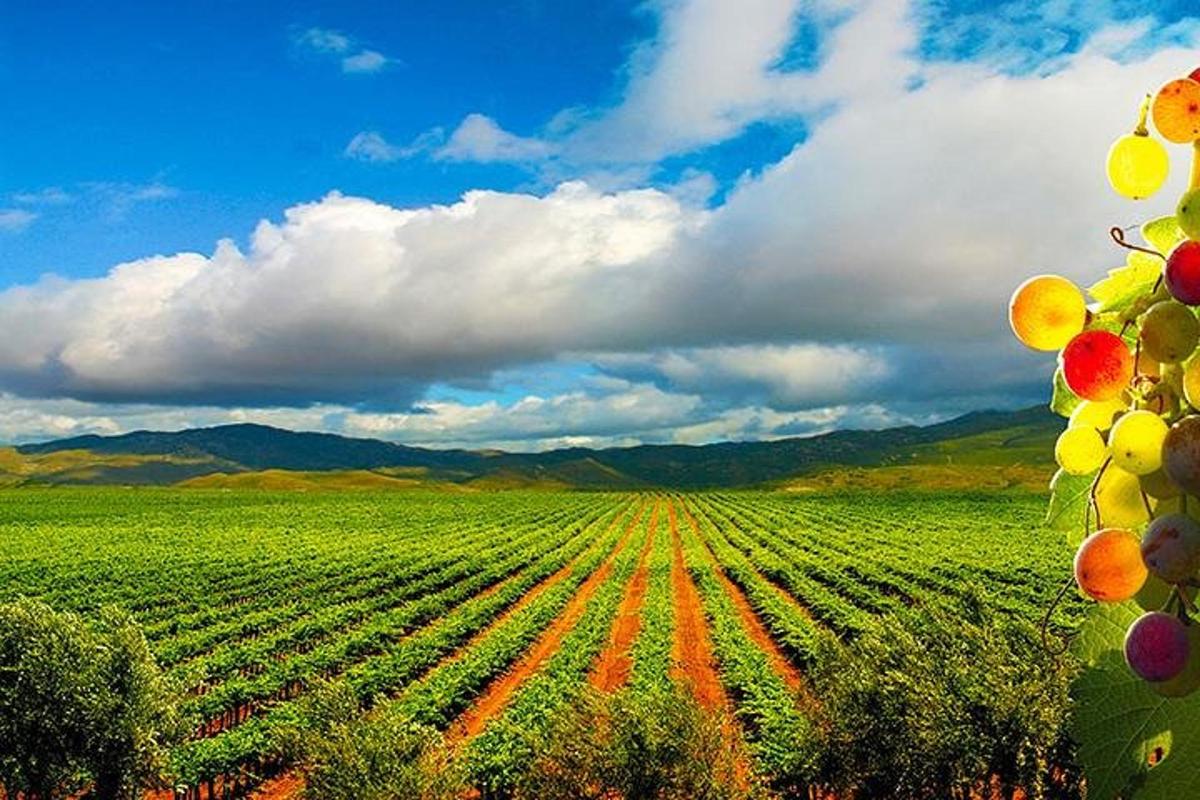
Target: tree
47 672
79 705
134 717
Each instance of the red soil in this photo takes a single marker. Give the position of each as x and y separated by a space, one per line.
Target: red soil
692 654
794 679
497 695
286 787
615 664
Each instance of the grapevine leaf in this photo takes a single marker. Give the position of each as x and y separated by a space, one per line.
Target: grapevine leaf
1163 233
1119 722
1125 285
1069 495
1063 401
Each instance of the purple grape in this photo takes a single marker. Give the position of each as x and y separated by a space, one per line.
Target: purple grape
1157 646
1171 547
1181 454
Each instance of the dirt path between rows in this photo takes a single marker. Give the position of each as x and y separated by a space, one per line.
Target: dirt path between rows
791 675
615 664
500 691
692 659
290 784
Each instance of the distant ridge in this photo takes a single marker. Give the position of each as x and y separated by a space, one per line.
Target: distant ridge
148 457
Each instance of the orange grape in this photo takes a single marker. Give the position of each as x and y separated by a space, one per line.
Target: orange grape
1108 565
1176 111
1046 311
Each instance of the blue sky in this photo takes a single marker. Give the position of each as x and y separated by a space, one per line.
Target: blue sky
531 224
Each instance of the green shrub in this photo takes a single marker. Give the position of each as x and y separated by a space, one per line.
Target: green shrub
933 704
381 756
655 746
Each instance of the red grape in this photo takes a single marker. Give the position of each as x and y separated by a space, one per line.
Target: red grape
1157 646
1183 273
1097 365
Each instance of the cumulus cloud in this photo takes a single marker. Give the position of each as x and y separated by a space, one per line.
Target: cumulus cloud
872 261
350 299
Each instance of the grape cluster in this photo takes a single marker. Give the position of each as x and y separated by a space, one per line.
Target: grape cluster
1130 373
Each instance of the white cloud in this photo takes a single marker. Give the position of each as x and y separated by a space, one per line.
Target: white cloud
873 261
479 138
366 61
353 58
627 411
371 146
50 196
15 220
323 40
713 69
783 376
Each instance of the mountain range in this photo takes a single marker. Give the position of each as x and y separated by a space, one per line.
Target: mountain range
986 448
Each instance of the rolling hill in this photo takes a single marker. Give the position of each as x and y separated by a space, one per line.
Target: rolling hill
1011 447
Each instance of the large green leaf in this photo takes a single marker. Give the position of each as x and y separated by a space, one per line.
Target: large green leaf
1068 502
1126 285
1163 233
1119 722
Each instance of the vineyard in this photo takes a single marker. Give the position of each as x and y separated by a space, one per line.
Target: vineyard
480 614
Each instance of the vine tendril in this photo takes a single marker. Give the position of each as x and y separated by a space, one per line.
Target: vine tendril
1118 236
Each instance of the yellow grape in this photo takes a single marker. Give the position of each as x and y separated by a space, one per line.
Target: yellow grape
1137 166
1191 383
1108 565
1119 499
1046 312
1098 414
1136 442
1080 451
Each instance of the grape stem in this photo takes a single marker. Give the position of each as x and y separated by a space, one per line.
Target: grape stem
1146 502
1094 504
1143 112
1185 601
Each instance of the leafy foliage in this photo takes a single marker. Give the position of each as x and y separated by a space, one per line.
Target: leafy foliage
79 705
1123 726
936 705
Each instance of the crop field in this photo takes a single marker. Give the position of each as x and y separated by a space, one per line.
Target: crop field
482 613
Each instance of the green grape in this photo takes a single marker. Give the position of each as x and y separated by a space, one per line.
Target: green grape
1098 414
1188 213
1136 442
1170 332
1080 451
